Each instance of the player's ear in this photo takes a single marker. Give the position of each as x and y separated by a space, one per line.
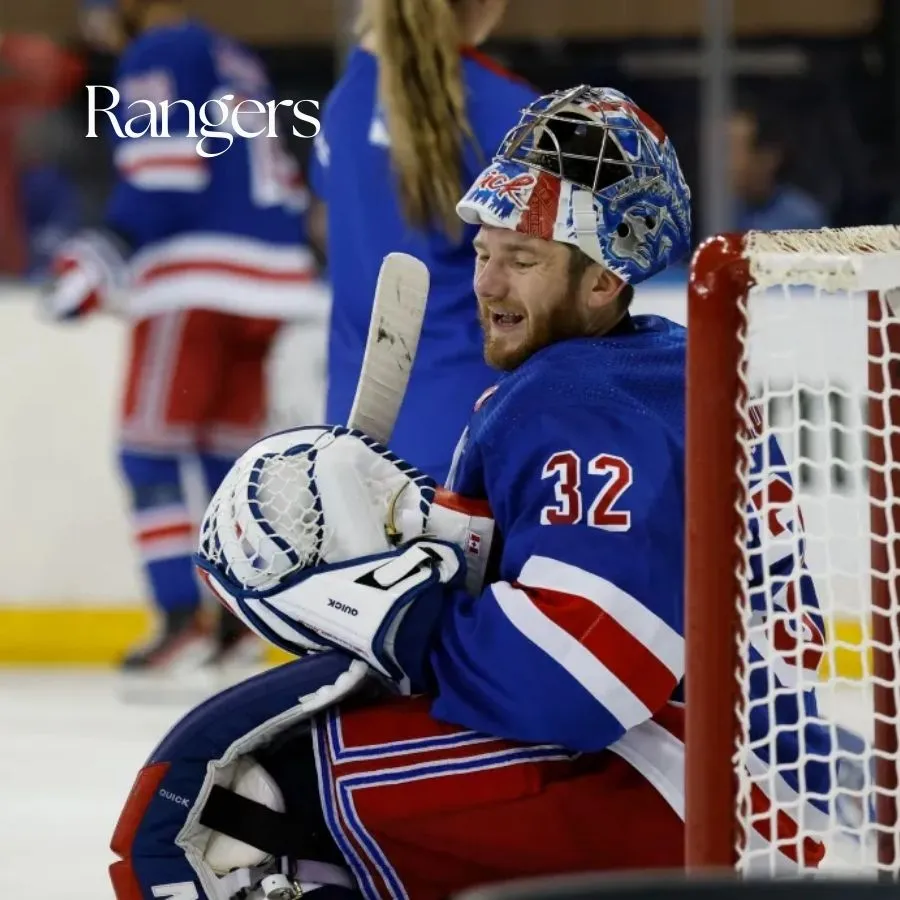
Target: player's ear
604 286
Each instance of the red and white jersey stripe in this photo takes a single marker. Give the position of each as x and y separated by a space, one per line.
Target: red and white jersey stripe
228 273
162 164
616 648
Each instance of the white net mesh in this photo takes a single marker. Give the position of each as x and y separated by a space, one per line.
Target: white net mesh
806 749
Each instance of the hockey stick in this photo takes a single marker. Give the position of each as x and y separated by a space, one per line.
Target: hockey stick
397 313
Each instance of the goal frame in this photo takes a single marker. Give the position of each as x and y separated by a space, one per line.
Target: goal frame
720 280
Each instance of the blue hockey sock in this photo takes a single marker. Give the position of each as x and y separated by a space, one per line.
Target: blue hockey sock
215 468
165 533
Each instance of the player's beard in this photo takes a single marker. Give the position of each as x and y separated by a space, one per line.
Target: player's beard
561 321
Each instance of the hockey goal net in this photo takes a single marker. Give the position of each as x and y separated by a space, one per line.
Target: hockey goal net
793 501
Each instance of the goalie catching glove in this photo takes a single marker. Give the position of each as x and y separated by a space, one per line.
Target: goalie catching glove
300 542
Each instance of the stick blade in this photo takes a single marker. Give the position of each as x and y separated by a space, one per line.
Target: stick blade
397 314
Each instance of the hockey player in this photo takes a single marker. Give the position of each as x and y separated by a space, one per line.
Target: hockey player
514 707
410 123
205 255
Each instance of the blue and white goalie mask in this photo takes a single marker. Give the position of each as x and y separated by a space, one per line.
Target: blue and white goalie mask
588 167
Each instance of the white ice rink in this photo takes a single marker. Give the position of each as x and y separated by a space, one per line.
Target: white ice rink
69 751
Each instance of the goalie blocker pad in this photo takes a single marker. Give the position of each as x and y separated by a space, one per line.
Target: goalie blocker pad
164 828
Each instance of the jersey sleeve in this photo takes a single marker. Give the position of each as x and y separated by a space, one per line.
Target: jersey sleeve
160 178
581 639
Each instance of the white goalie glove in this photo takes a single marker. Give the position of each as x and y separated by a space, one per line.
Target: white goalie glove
319 537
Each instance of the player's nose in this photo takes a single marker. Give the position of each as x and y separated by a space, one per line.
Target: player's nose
490 283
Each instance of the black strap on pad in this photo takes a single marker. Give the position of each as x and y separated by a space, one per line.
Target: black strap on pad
246 820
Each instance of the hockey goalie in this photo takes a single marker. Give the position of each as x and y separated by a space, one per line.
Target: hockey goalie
490 673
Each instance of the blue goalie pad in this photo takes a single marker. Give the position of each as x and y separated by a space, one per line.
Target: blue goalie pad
153 837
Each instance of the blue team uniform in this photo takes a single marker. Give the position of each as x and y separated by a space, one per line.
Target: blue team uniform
216 259
576 454
579 640
222 233
351 172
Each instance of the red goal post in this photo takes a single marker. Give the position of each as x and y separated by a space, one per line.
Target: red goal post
848 274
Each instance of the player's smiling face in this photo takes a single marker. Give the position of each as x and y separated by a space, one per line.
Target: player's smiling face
530 295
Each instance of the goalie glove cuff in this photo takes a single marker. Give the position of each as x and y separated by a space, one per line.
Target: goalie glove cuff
410 636
469 524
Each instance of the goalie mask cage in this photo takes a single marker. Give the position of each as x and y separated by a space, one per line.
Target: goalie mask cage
794 335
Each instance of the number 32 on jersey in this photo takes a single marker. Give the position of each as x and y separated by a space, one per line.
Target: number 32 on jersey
601 482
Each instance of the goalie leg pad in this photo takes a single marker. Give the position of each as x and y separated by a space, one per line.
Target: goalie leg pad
160 838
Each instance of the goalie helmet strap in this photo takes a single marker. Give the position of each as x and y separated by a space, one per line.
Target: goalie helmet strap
585 221
279 834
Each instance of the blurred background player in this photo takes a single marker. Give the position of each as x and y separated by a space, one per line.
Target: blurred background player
764 199
414 117
207 257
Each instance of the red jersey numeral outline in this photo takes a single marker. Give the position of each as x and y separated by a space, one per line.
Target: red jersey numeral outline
566 466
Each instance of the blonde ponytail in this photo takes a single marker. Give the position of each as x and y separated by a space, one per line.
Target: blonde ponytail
422 95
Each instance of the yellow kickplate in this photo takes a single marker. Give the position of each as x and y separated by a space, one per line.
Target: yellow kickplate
101 635
77 635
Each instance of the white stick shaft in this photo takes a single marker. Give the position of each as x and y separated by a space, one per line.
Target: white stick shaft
397 314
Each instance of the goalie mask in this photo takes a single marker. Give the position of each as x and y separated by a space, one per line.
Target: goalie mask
587 167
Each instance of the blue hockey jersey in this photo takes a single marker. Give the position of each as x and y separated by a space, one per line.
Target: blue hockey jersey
351 172
578 639
222 230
